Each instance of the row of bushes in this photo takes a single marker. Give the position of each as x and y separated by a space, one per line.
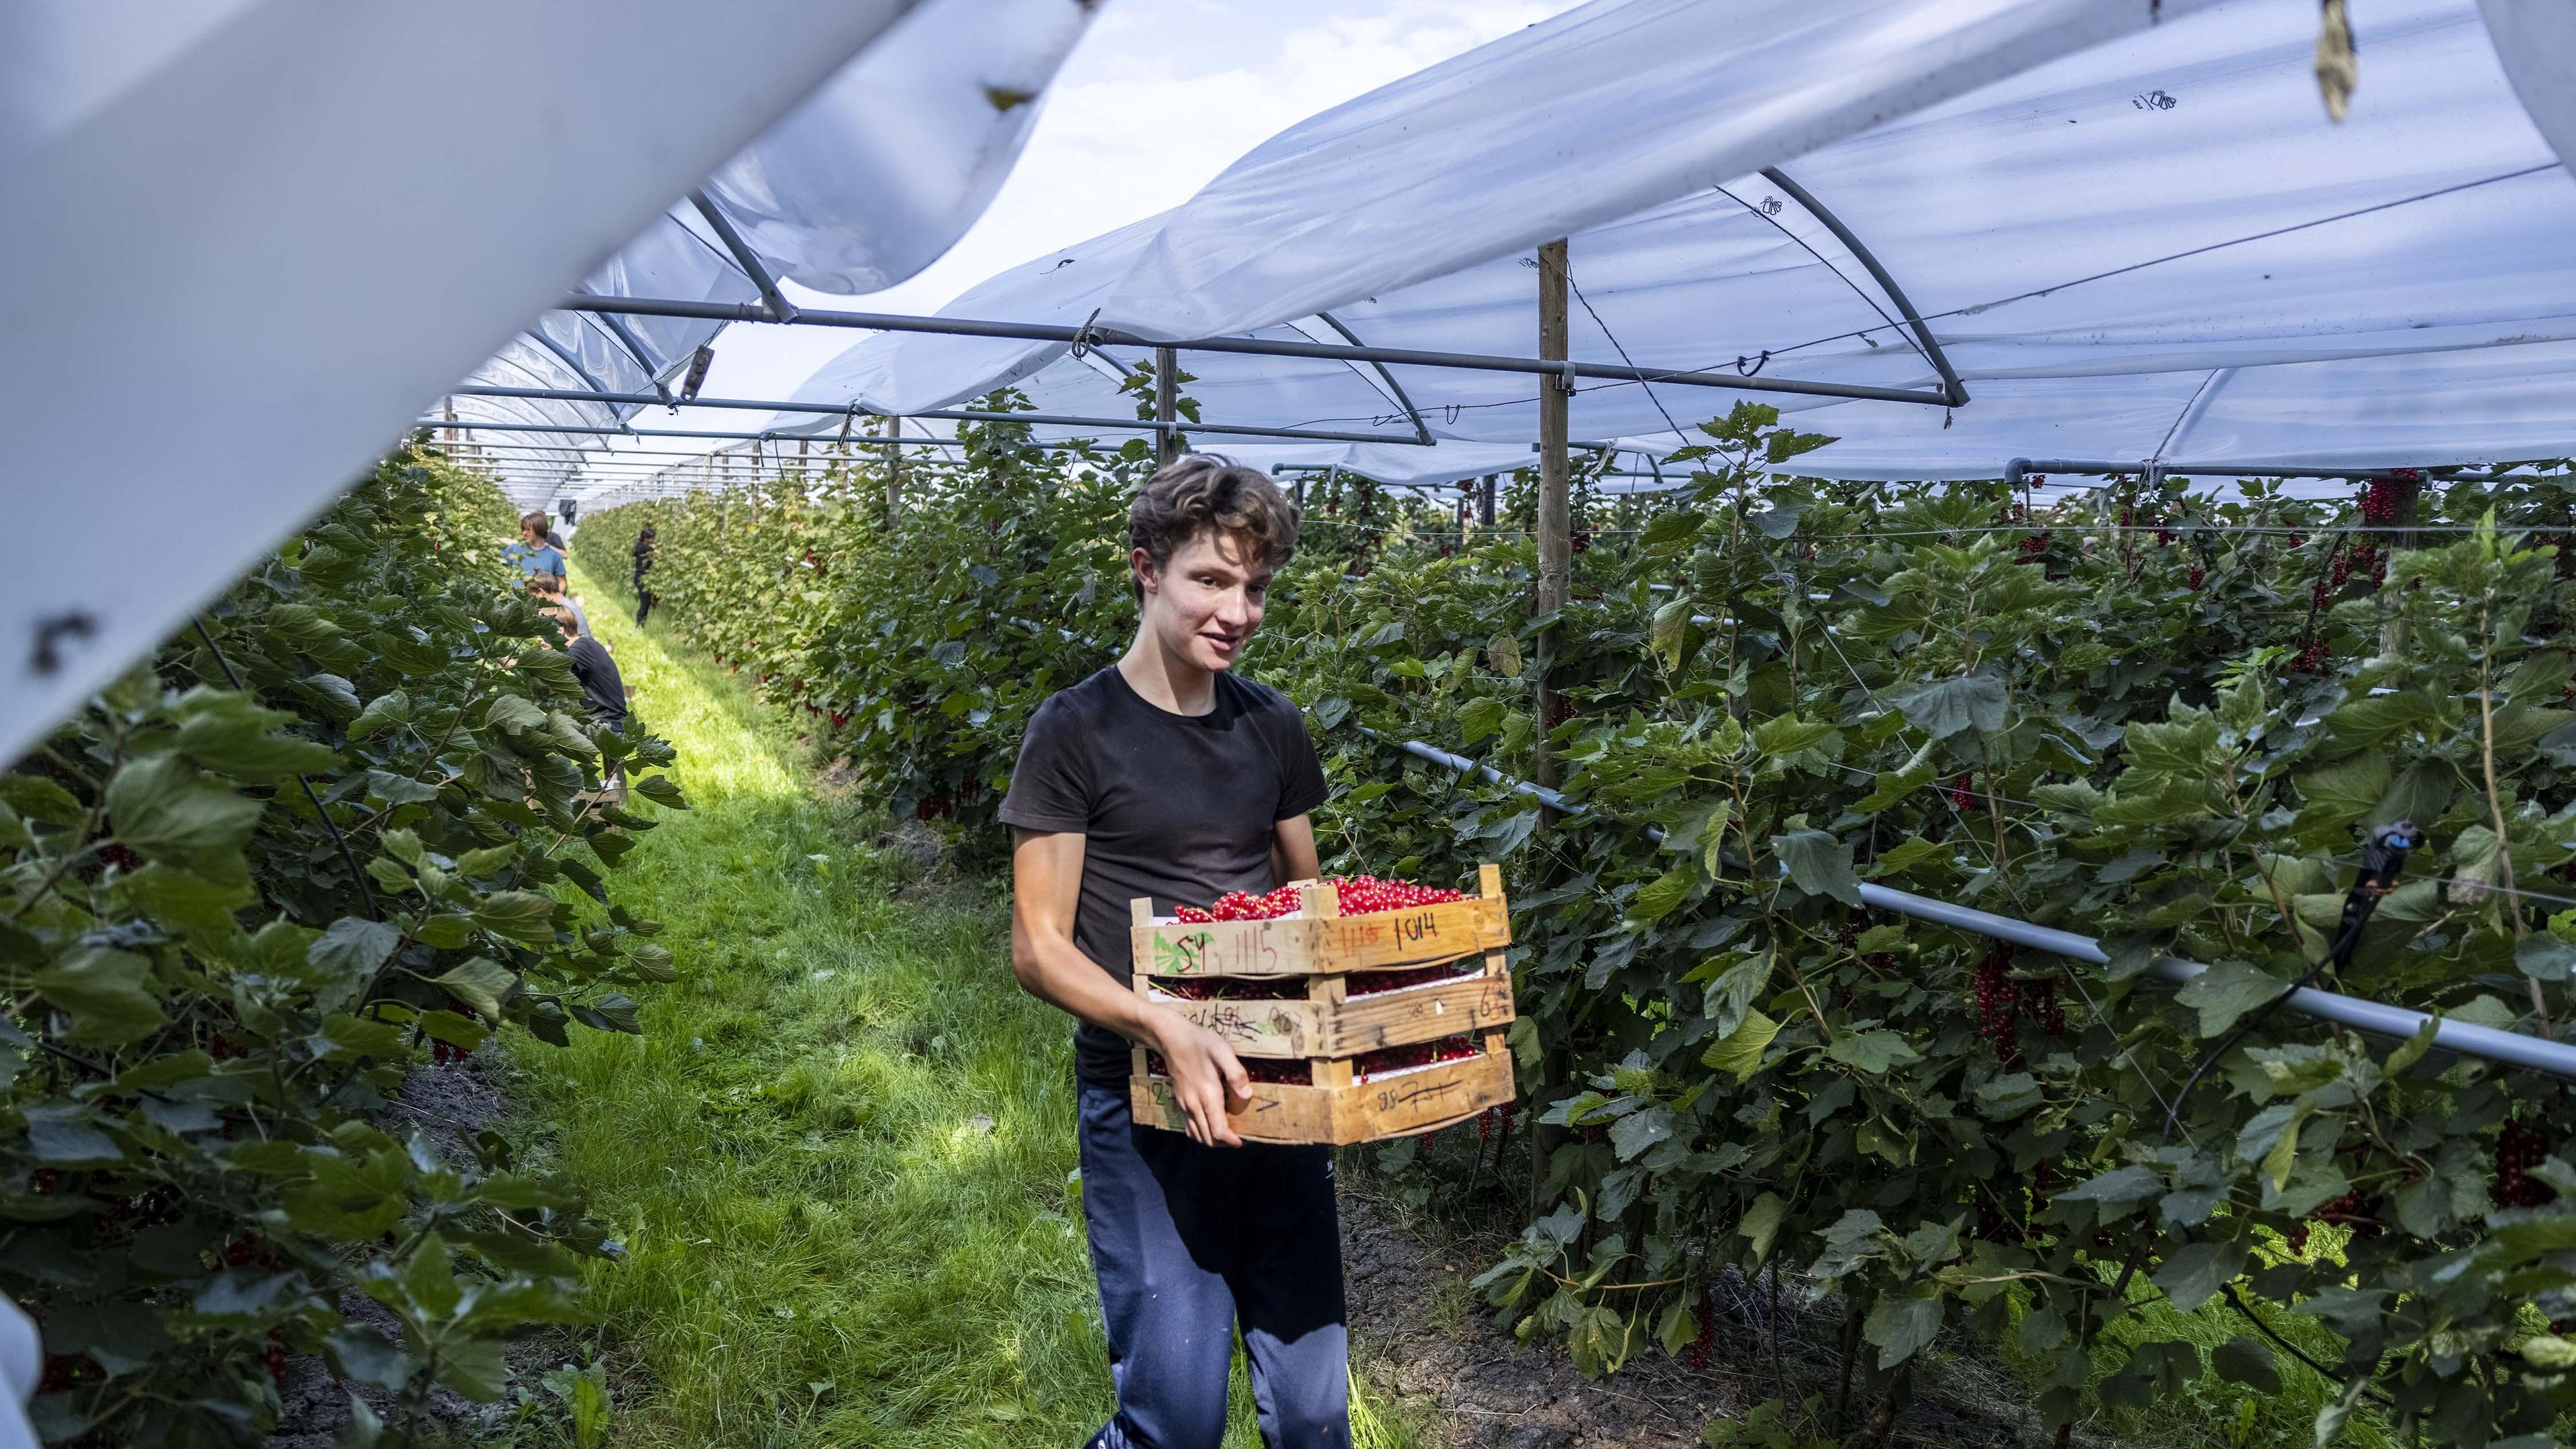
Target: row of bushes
2158 718
347 822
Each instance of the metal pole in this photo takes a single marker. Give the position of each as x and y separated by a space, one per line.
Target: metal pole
780 308
2510 1047
1951 387
1251 346
735 404
1167 394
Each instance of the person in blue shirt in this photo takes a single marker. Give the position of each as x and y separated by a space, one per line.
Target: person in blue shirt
532 554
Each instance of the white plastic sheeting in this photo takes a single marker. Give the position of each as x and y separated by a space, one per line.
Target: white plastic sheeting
862 185
282 227
2156 248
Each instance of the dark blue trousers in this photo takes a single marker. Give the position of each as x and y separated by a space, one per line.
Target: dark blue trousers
1189 1242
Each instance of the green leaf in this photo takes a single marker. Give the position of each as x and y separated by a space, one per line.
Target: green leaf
386 711
41 800
226 732
352 948
1503 652
1479 718
1733 993
480 983
1818 864
1872 1051
1668 632
2241 1360
661 790
1638 1131
2545 958
2120 1187
1741 1050
513 715
107 993
1677 1328
62 1134
2412 1050
2226 991
1945 707
1901 1327
2193 1273
519 915
2342 793
1761 1223
1659 897
1668 529
163 810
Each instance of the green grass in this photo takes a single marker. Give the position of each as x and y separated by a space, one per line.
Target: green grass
842 1154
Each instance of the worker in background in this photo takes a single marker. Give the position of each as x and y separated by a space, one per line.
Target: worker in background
555 604
531 554
643 554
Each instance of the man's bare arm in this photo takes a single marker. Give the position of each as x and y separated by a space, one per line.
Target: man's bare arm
1046 892
1292 850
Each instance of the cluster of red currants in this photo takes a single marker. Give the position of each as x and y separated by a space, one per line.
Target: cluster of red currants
1229 988
1361 895
1486 1120
274 1358
2312 660
246 1249
1706 1344
2520 1148
2379 500
2031 548
443 1053
1963 790
1388 1061
2197 577
2354 1210
1999 999
1370 983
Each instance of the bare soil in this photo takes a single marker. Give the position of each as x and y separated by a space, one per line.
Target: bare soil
1428 1340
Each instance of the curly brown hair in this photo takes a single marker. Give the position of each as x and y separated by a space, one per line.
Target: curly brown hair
1204 492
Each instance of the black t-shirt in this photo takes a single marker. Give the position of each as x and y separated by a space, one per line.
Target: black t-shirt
1176 807
601 687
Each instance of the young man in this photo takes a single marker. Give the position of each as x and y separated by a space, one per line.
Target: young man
1164 775
530 553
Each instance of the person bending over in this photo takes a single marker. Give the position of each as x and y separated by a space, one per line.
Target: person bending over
1166 775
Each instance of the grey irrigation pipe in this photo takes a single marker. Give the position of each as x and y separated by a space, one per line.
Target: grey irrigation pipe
2512 1048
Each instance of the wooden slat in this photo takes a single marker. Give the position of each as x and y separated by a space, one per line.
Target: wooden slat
1348 1027
1396 1106
1301 946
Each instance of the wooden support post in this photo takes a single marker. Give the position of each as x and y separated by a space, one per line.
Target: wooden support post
1555 521
894 470
1485 503
1167 394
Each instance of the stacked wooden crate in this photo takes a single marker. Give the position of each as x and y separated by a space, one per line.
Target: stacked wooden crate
1348 1091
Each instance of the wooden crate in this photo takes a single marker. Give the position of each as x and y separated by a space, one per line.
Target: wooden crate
1323 941
1423 1099
1327 1022
1328 1026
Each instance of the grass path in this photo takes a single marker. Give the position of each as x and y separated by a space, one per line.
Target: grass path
841 1155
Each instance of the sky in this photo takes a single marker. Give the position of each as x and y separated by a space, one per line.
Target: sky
1159 96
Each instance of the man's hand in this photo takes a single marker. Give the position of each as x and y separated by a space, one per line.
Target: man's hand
1207 1080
